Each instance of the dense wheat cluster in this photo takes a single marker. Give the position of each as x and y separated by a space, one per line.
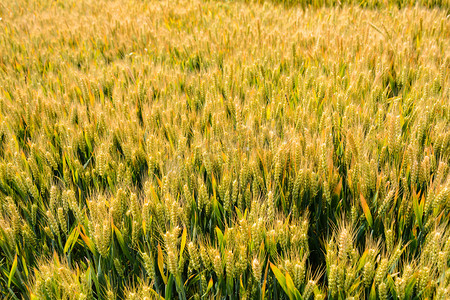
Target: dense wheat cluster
224 150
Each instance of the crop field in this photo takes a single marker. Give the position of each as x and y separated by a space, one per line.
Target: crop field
196 149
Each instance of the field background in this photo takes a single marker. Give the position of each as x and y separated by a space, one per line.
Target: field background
224 150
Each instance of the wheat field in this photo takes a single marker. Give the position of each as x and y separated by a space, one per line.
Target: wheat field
196 149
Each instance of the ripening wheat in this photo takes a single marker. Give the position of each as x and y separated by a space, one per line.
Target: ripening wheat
224 150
